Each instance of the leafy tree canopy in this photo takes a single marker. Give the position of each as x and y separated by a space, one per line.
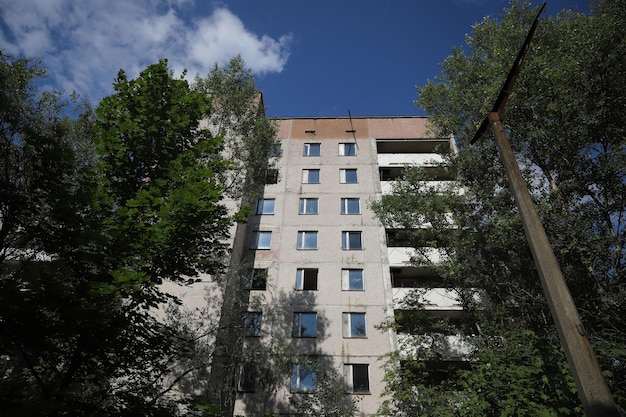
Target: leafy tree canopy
160 175
566 123
238 117
97 210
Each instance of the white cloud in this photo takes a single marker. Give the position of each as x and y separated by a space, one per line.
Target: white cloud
84 44
215 38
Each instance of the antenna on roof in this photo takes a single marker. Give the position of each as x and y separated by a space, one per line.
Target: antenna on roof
352 129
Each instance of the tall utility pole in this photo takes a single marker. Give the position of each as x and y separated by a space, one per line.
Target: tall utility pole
592 387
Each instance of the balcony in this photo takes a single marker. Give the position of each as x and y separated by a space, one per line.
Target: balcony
452 347
439 186
401 256
422 145
402 159
433 299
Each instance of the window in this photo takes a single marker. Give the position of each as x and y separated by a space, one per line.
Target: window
304 325
357 378
307 240
246 375
252 323
351 241
350 206
348 176
256 279
308 206
265 206
347 149
306 279
276 150
312 149
354 325
261 240
303 378
352 279
310 176
271 176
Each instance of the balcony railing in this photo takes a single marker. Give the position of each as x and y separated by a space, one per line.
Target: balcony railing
401 256
401 159
452 347
433 299
386 186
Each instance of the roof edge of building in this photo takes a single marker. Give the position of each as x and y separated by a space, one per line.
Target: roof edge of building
346 117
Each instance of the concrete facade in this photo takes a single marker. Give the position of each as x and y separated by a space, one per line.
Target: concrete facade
326 254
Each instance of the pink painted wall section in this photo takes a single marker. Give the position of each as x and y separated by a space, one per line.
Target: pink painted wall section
284 128
399 128
341 128
331 128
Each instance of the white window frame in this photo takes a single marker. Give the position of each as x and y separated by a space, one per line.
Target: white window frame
350 318
345 240
345 205
342 148
306 176
343 176
301 243
346 283
304 276
258 240
309 147
263 206
303 206
296 378
296 331
253 320
348 374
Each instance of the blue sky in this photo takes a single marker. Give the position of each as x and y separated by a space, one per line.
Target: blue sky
310 58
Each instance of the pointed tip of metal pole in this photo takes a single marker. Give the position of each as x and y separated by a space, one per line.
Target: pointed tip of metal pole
480 131
511 77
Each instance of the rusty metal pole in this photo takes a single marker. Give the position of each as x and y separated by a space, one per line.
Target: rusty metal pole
592 387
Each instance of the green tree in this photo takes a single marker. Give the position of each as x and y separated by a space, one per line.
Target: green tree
45 320
160 171
330 398
238 116
96 212
568 131
250 144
